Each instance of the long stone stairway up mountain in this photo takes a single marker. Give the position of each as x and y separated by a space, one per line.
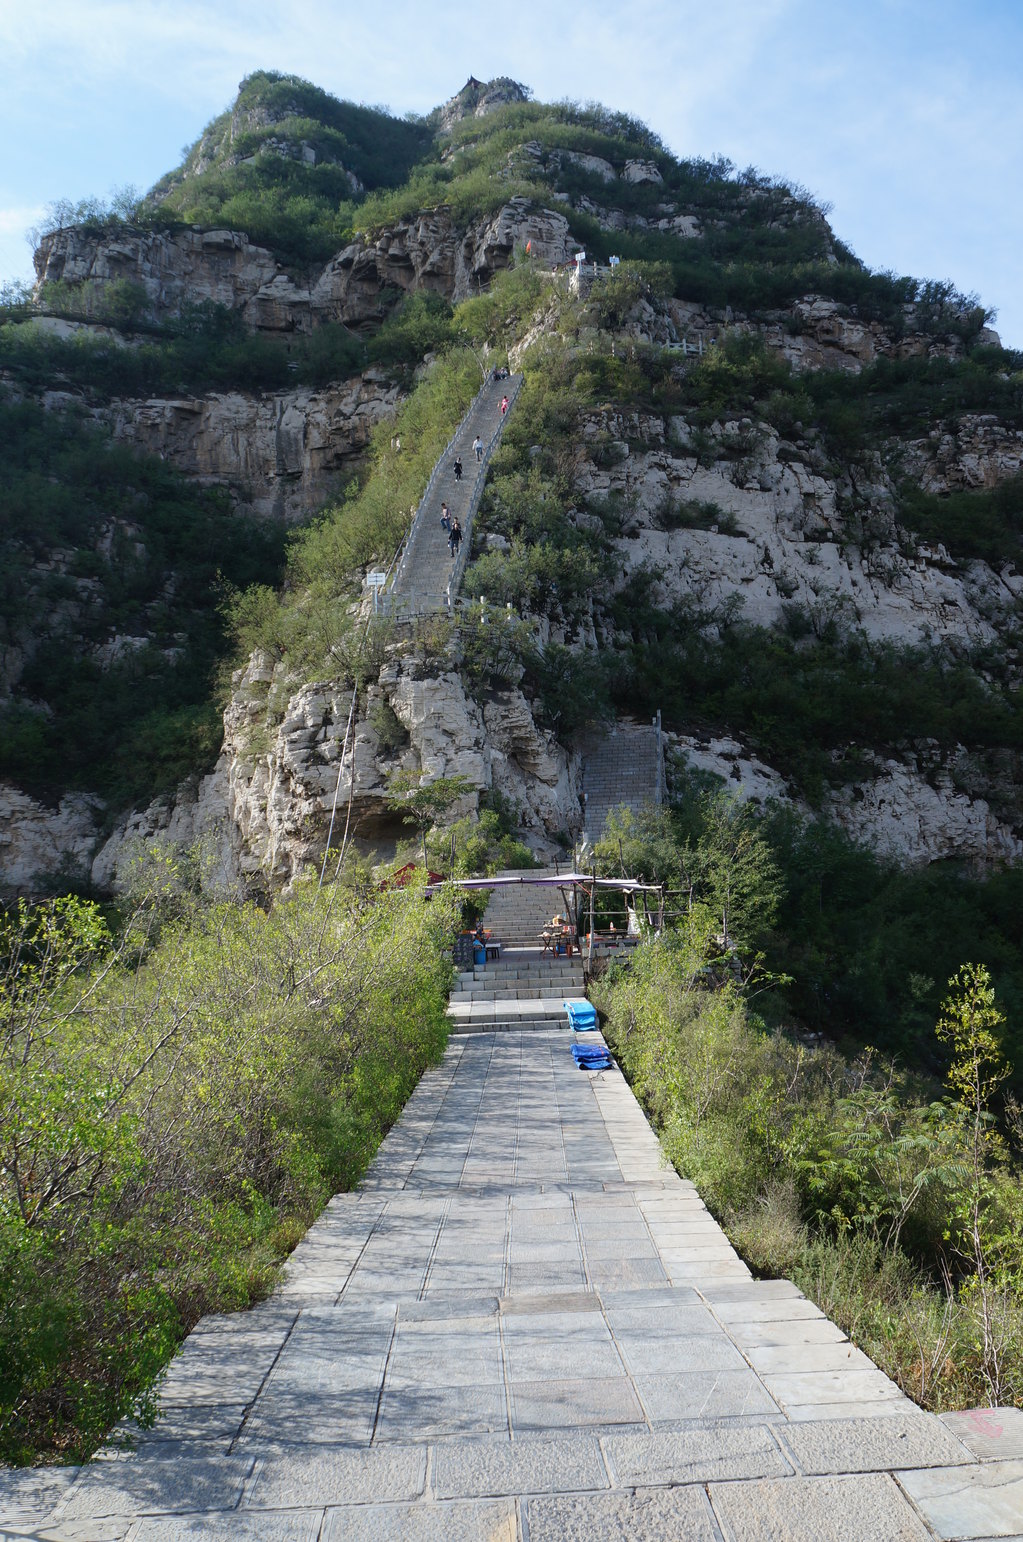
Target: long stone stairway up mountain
423 584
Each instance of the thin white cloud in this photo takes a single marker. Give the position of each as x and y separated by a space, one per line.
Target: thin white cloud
18 219
15 251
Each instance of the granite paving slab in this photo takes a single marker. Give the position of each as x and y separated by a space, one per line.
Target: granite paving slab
868 1508
700 1454
650 1517
281 1526
978 1501
907 1440
302 1477
992 1434
461 1521
25 1492
478 1468
154 1484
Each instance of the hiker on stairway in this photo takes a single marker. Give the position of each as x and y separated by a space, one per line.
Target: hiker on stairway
455 537
477 445
445 517
457 468
504 405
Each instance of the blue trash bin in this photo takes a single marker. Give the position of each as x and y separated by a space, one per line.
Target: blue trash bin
479 953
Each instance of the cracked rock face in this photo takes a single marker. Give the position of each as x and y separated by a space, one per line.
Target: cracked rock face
264 815
195 822
38 843
775 537
283 454
179 267
224 267
911 810
916 814
427 252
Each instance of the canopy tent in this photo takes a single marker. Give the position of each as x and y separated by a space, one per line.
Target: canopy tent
557 881
586 883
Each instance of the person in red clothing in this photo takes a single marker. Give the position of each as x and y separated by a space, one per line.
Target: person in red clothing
504 405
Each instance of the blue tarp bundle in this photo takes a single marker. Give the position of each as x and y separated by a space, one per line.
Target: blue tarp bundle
591 1057
582 1015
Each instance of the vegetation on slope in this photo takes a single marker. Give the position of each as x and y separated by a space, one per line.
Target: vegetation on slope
98 544
894 1207
279 165
178 1098
888 1189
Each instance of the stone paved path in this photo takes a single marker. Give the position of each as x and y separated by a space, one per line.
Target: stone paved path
523 1328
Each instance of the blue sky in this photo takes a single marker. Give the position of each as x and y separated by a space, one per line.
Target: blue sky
905 115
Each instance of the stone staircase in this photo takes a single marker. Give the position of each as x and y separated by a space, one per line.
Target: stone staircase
622 766
427 577
525 988
518 913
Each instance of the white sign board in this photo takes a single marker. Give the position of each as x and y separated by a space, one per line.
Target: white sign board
376 580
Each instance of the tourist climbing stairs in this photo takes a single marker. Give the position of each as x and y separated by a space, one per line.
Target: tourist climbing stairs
427 576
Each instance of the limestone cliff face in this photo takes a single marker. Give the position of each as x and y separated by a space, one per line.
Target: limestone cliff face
777 541
779 538
41 845
283 454
177 268
281 796
263 817
187 267
431 252
914 810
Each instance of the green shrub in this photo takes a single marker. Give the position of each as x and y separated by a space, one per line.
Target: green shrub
178 1103
98 542
836 1173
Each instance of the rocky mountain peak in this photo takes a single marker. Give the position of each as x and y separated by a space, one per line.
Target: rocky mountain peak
478 98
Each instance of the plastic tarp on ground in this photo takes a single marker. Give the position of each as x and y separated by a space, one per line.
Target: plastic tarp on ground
591 1057
582 1015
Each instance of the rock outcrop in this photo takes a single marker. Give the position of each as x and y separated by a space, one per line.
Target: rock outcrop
429 252
178 268
265 814
283 454
194 823
41 846
737 521
477 98
911 810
